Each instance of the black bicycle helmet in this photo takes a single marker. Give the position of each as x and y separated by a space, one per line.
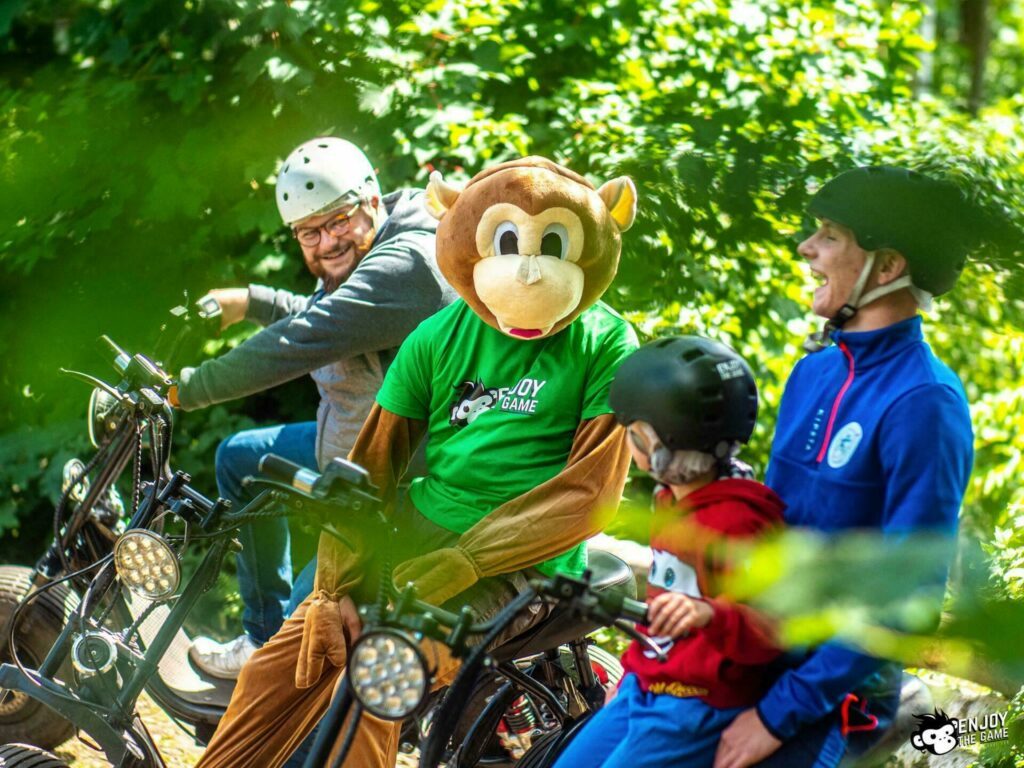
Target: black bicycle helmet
929 221
697 394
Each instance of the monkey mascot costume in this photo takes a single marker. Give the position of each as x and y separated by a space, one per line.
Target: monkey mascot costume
510 386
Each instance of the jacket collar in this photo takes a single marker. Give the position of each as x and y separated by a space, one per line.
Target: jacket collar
874 346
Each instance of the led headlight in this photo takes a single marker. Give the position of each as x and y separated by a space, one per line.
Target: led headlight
388 674
146 564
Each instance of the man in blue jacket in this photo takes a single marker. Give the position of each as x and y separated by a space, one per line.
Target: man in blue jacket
873 431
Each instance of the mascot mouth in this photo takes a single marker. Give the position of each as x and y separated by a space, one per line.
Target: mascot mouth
525 333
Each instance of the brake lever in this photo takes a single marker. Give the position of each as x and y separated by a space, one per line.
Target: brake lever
640 637
94 383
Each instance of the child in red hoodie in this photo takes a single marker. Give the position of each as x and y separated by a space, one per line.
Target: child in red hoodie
688 403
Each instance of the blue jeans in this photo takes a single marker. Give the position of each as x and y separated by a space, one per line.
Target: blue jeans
265 563
647 730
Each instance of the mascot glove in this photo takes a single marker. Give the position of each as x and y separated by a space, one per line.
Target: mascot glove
439 576
327 632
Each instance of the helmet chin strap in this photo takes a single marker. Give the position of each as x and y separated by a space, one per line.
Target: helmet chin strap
818 340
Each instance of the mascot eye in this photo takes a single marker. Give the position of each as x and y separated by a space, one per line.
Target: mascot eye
670 577
555 241
506 239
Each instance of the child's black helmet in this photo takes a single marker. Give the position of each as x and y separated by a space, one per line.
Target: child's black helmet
697 394
929 221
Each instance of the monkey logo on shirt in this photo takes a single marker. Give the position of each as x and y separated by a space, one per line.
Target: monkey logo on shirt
473 399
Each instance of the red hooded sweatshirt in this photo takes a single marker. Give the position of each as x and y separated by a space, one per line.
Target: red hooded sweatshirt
724 663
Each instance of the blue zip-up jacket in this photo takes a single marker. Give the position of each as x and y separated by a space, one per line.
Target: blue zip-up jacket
873 432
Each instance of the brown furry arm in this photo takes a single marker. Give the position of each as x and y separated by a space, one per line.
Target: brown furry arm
384 447
553 517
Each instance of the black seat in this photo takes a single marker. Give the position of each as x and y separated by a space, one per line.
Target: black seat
608 573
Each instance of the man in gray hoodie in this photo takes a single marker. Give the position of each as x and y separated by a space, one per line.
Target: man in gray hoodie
373 256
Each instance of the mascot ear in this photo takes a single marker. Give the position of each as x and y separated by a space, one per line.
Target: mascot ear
917 741
620 197
440 195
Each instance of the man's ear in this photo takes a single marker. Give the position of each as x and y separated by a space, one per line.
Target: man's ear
620 197
891 264
440 196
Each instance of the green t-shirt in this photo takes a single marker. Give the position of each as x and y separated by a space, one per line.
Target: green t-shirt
501 413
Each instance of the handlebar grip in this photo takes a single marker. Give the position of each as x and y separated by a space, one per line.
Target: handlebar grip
634 610
121 358
288 472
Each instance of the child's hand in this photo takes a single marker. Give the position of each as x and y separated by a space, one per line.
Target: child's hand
672 614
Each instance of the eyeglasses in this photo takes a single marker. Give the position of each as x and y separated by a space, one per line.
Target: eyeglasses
336 227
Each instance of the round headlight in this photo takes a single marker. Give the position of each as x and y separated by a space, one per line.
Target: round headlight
388 674
103 416
146 564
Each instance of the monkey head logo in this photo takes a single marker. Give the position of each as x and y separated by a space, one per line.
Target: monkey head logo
472 400
937 733
530 245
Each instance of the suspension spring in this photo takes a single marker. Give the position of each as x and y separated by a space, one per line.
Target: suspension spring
521 716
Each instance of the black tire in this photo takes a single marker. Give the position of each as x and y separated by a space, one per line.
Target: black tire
542 752
25 756
547 747
23 719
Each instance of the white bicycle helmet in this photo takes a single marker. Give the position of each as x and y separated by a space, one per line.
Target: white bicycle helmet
323 174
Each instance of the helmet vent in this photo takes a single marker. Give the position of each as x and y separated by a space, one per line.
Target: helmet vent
285 195
322 146
285 169
309 185
305 159
692 354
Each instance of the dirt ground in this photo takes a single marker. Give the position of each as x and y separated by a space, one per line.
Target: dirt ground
176 746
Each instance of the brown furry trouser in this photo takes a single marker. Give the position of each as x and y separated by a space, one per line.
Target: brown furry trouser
269 717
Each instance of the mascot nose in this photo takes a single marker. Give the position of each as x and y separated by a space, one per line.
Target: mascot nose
529 270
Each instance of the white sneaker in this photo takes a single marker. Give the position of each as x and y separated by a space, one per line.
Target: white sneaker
224 660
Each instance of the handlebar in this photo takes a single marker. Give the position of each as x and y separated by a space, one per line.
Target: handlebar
121 358
288 472
633 610
343 481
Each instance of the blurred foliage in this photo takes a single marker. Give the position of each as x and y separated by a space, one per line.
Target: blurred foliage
854 586
1008 753
948 69
140 139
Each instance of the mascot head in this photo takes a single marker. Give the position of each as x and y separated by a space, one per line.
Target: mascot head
528 244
